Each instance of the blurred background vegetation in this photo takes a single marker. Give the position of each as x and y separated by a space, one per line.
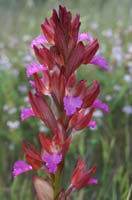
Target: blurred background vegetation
110 144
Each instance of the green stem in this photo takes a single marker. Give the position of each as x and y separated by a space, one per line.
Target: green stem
57 181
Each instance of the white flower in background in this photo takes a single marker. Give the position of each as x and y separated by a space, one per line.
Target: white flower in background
22 89
107 33
27 58
13 124
12 111
127 109
4 63
93 128
108 97
26 99
127 56
15 72
130 47
117 39
94 26
130 28
26 38
5 107
129 64
117 55
102 48
117 87
128 78
98 114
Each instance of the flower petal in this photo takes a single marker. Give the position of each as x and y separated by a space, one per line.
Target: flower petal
32 83
26 113
99 61
93 181
51 161
84 36
39 40
101 105
20 167
80 178
34 68
71 104
92 124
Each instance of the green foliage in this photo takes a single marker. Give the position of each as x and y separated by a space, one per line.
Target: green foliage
110 145
25 188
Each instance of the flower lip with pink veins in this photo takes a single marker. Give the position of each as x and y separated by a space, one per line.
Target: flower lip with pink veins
39 40
20 167
34 68
99 61
52 160
85 36
71 104
26 113
101 105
